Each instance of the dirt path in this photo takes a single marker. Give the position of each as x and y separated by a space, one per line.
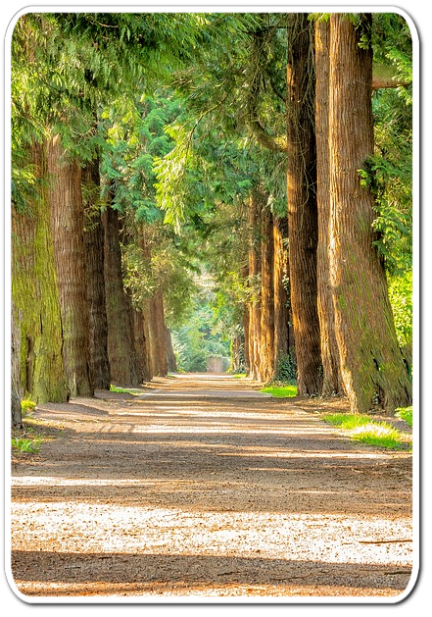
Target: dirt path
202 486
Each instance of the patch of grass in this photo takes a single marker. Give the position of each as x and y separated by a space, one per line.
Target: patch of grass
362 428
405 413
124 390
281 391
239 375
26 445
33 433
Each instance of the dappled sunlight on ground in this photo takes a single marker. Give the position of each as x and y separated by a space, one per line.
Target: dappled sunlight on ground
215 496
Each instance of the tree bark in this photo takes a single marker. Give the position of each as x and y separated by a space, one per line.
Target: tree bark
35 294
171 359
371 361
302 207
267 353
332 377
254 260
157 335
67 225
16 388
121 349
95 257
280 275
246 325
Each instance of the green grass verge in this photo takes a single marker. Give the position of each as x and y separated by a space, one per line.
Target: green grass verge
34 432
405 413
285 391
363 428
125 390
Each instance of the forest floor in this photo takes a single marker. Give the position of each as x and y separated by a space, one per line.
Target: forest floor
201 486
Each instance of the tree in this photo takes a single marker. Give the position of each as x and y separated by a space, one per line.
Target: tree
94 242
67 226
302 206
371 362
332 378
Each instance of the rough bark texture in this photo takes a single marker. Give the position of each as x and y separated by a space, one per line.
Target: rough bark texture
246 322
35 294
67 225
158 336
280 274
255 205
16 388
332 378
171 360
95 257
267 368
121 349
302 208
372 365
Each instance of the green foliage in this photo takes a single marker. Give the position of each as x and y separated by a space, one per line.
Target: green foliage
27 406
25 445
202 336
286 368
400 294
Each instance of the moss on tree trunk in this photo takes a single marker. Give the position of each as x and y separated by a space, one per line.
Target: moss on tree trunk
35 294
371 361
67 227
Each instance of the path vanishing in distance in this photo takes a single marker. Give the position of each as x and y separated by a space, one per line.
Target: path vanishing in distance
202 486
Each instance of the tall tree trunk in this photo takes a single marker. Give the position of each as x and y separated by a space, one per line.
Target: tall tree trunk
159 336
171 359
16 388
280 275
35 294
302 207
267 297
95 257
246 321
141 345
255 206
121 349
149 334
371 362
332 377
67 225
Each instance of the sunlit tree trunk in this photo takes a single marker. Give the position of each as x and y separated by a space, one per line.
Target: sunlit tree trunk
67 226
371 361
35 294
332 378
95 257
254 257
157 335
302 207
267 297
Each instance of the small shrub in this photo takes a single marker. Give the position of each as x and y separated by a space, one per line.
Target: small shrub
286 368
27 406
25 445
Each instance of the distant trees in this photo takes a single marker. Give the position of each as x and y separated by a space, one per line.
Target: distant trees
145 148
